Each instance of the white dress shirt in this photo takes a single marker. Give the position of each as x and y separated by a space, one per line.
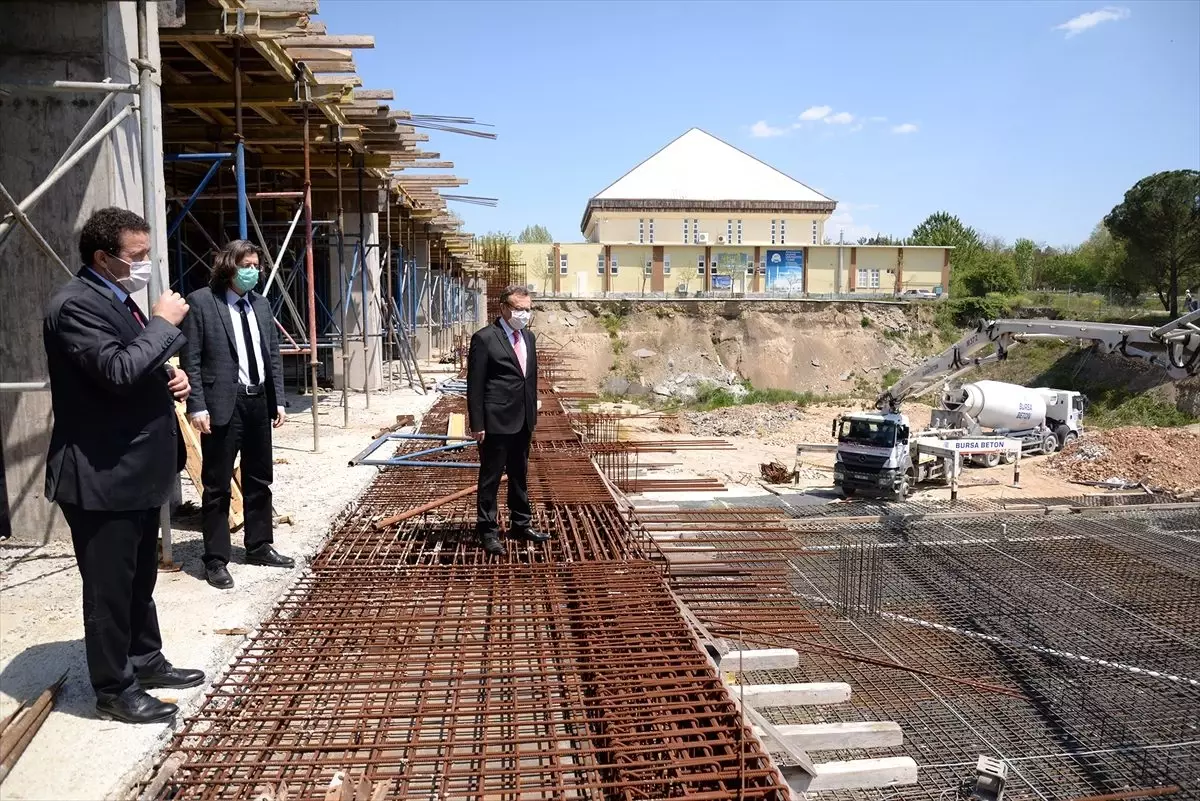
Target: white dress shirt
243 354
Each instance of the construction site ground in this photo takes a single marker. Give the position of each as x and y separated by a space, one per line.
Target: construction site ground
76 755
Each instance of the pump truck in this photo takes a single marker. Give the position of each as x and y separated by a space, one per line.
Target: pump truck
989 421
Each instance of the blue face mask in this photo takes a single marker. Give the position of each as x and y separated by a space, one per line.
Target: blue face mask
246 279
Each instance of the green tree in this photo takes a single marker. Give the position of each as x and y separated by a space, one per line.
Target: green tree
986 272
1158 222
879 239
1023 255
946 230
535 235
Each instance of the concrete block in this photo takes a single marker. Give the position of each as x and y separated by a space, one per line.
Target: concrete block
809 694
858 774
760 659
830 736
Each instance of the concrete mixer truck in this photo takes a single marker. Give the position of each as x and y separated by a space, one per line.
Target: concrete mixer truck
989 422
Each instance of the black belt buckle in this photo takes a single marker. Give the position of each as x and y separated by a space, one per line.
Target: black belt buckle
251 391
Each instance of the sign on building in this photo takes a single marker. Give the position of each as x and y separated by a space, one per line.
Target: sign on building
722 282
785 270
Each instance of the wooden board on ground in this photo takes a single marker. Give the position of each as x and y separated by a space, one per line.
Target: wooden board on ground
457 427
191 439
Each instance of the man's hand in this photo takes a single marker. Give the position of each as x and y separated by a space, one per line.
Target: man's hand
171 307
478 435
179 385
202 423
280 417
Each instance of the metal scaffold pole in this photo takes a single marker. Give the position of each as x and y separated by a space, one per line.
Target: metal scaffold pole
342 288
310 288
149 200
366 297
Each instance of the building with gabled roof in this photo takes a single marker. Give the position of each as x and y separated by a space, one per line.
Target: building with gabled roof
703 216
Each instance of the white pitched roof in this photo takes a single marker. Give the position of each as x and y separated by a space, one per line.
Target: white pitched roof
699 166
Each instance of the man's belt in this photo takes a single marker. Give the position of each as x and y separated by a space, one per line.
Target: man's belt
257 389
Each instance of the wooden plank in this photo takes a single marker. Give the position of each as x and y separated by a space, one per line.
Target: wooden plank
760 659
208 55
290 6
457 426
805 694
345 41
191 441
193 96
320 54
838 736
374 94
859 774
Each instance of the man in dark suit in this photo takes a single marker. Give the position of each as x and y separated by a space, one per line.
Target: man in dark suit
232 358
115 454
502 413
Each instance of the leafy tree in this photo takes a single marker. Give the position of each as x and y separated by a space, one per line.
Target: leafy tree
879 239
1023 255
543 268
946 230
1158 222
988 271
535 235
687 274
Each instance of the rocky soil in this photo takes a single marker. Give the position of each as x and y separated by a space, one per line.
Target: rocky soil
782 424
1162 459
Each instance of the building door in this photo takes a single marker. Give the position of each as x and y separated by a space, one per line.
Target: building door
582 283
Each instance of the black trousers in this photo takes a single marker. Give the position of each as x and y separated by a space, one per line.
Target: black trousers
500 453
117 554
248 430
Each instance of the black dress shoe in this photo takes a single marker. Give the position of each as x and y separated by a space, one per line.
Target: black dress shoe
218 576
135 705
169 676
493 545
530 535
268 557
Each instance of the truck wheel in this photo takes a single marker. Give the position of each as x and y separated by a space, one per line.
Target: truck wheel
1063 435
1007 458
1071 437
847 492
906 484
1049 444
990 459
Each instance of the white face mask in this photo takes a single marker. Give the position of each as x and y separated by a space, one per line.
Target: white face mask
520 318
139 275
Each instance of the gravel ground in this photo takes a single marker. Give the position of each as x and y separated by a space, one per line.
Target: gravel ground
78 756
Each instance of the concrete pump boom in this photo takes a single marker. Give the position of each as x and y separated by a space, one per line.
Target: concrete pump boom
1177 349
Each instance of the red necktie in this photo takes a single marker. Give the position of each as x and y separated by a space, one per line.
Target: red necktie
520 351
137 313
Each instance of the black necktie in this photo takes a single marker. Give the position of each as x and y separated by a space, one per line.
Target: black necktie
131 304
253 366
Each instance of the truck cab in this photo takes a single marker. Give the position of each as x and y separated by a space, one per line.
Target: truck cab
872 454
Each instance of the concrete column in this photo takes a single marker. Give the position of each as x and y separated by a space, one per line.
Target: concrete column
657 278
804 275
899 270
370 364
853 269
422 255
946 270
41 42
556 272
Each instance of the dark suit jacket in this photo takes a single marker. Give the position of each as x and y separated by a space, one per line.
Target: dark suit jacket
115 445
500 400
210 356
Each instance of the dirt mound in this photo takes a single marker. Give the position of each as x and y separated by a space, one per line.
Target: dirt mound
784 424
1162 459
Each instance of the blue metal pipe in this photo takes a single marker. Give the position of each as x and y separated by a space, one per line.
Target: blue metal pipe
191 201
240 170
196 156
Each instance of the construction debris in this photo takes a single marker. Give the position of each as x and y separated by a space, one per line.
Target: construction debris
1162 460
21 727
776 473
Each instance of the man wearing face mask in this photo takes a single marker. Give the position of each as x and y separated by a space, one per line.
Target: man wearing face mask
232 357
502 413
115 455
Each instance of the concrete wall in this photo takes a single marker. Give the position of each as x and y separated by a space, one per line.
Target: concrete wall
360 365
40 42
615 227
920 268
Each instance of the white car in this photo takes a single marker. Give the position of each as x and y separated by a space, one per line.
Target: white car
918 294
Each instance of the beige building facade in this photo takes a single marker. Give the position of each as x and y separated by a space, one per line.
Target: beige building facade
702 217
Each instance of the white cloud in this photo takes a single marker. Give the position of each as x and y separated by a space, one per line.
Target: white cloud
763 130
841 118
842 224
1091 19
815 113
905 128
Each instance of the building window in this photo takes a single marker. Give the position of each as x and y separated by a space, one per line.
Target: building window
600 264
783 232
762 268
641 230
612 265
729 230
772 232
651 230
868 279
700 265
739 241
649 267
712 267
562 264
667 265
814 232
686 222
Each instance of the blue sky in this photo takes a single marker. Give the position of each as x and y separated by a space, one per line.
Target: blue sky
1025 119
